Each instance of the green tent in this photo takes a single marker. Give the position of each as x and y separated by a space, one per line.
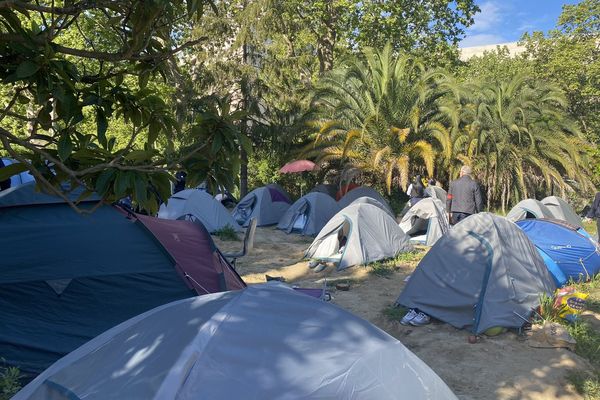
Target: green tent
67 277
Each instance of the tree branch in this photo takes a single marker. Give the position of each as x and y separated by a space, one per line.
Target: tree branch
71 10
97 55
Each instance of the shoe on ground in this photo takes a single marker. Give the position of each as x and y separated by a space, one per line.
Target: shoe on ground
320 267
408 317
274 278
420 319
313 263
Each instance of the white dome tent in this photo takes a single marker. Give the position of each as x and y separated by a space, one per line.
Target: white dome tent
425 222
201 205
529 208
562 210
191 349
267 204
358 234
308 214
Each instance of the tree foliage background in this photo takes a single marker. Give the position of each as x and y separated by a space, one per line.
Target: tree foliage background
117 95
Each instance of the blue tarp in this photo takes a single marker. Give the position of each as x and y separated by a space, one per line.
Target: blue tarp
569 252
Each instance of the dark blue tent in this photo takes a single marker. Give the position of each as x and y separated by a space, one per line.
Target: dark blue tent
66 277
568 251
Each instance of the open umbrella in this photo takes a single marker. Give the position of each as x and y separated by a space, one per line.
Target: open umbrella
298 166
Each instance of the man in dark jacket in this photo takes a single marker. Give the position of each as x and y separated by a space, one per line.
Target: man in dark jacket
594 212
464 196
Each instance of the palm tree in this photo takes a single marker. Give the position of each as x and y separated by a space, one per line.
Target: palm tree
519 135
379 112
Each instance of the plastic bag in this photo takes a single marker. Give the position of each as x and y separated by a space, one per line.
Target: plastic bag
570 302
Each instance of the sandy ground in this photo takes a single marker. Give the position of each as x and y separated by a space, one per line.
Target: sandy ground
502 367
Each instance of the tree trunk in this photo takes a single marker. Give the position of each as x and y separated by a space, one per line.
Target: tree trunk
243 173
326 42
244 126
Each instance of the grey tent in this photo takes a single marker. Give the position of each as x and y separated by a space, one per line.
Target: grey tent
328 189
20 178
370 200
436 192
281 190
201 205
362 191
529 208
267 204
562 210
369 233
309 214
217 347
425 222
483 273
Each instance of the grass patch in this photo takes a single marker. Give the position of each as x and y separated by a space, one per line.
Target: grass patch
385 268
587 383
590 227
9 382
394 313
227 233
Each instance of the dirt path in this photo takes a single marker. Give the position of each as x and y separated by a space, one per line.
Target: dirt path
503 367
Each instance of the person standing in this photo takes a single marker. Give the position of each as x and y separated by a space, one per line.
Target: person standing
416 191
180 178
594 212
464 196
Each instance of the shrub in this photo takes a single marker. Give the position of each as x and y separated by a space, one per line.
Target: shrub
227 233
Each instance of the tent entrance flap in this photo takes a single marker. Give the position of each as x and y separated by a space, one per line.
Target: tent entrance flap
244 210
486 277
300 218
333 245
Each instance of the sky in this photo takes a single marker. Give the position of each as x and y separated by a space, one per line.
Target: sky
502 21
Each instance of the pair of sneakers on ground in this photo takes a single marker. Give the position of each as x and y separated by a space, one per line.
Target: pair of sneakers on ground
317 266
415 317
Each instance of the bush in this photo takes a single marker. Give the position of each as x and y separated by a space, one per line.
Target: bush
227 233
9 382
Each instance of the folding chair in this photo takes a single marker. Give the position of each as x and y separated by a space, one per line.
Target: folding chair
248 243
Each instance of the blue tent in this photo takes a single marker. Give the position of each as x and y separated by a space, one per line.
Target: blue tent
568 251
66 277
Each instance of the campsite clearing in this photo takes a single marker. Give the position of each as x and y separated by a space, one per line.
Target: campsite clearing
502 367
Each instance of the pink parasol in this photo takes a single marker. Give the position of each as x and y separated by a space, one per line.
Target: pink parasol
298 166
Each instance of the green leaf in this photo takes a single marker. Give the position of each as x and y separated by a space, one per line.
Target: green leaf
65 146
141 188
101 126
143 79
26 69
139 155
216 144
104 180
153 131
162 184
11 170
123 181
246 144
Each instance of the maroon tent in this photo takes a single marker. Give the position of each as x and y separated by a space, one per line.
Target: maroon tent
197 259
